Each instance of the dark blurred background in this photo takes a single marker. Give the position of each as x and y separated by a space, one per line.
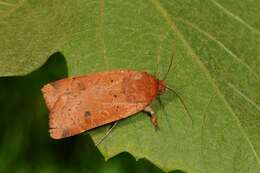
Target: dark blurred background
25 143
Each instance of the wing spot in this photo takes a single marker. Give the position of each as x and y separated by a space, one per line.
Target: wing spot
117 107
87 114
111 80
115 96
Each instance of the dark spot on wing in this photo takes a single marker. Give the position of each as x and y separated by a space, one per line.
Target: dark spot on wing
87 114
117 107
111 80
115 96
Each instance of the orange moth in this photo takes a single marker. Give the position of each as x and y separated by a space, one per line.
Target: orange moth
78 104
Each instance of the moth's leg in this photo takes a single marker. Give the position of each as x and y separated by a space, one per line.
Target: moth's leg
107 133
153 116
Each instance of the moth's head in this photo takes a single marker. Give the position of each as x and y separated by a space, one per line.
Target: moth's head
161 87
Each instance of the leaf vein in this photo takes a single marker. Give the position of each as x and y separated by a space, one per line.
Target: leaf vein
203 126
235 17
171 23
230 52
12 7
101 32
243 95
6 3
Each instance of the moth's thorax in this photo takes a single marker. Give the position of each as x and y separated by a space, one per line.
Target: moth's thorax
161 87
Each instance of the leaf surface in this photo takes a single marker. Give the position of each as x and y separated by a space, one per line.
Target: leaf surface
216 47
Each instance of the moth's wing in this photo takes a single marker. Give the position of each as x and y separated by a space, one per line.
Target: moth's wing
82 103
53 90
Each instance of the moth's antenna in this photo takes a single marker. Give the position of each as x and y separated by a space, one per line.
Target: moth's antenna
157 72
107 133
169 68
185 107
160 103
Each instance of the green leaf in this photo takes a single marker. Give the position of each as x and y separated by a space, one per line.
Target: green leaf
216 46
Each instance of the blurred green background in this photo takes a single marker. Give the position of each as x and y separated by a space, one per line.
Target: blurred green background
25 143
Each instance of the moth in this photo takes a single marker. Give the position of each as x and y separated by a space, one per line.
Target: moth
78 104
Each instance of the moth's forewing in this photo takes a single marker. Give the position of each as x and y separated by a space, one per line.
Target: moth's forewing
82 103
